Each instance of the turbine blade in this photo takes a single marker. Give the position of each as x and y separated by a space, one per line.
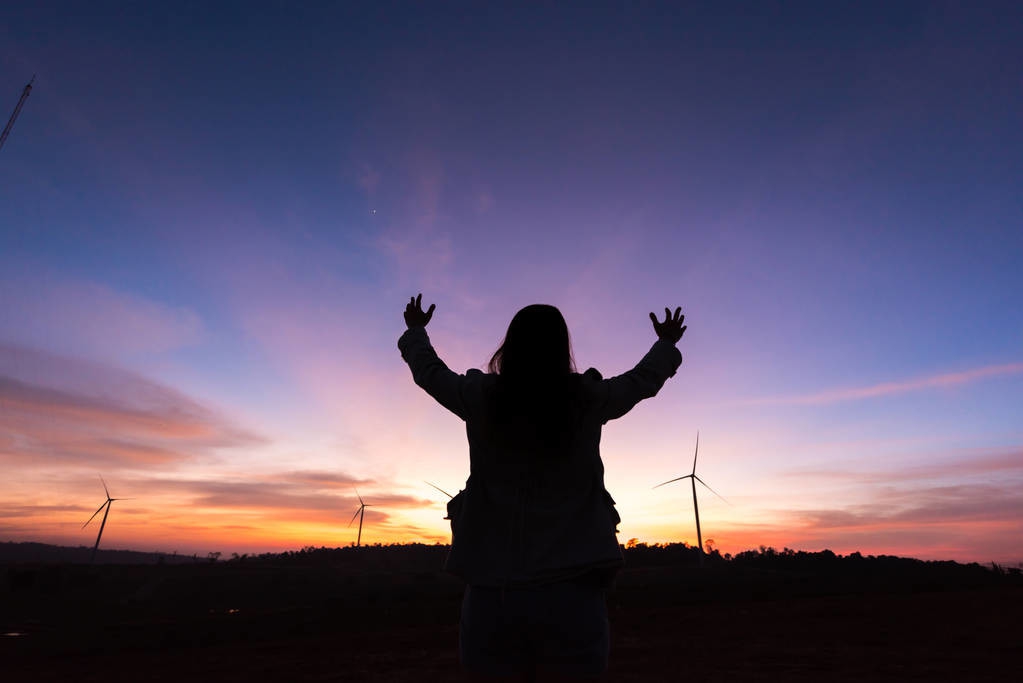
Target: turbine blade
359 497
439 489
355 515
94 514
673 480
710 489
105 490
697 450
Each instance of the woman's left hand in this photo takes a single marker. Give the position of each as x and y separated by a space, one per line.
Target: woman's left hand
672 328
414 315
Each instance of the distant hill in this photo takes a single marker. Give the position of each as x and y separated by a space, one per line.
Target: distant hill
791 570
43 553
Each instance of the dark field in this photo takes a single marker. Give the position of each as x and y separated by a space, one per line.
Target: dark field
363 619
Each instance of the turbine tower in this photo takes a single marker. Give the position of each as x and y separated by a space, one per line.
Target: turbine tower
103 523
17 110
693 478
360 513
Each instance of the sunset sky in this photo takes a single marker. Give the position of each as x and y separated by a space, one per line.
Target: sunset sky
213 214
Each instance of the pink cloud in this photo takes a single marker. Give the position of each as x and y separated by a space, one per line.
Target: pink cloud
972 541
89 317
951 504
965 522
266 493
279 496
941 381
967 463
98 415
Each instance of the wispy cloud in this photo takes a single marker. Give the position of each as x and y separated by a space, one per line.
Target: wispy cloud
11 511
321 479
953 504
273 492
963 464
964 522
101 415
942 381
981 486
90 317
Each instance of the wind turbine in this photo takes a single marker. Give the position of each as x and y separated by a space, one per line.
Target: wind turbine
442 491
439 489
693 478
360 513
105 513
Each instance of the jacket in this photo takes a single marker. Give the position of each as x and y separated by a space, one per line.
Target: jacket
520 521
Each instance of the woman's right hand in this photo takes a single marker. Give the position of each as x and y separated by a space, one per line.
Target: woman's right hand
671 329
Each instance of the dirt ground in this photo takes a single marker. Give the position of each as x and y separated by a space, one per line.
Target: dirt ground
283 626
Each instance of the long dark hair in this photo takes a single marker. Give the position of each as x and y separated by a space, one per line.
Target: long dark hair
536 346
535 409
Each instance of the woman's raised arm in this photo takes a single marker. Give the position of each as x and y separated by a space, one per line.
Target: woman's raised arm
457 393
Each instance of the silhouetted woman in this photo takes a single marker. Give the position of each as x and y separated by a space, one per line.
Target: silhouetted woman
533 532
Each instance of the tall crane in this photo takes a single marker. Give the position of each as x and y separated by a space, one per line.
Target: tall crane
17 110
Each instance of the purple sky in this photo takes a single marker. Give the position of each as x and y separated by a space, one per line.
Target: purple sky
210 221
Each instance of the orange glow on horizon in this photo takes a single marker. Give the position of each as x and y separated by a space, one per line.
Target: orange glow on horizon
248 531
